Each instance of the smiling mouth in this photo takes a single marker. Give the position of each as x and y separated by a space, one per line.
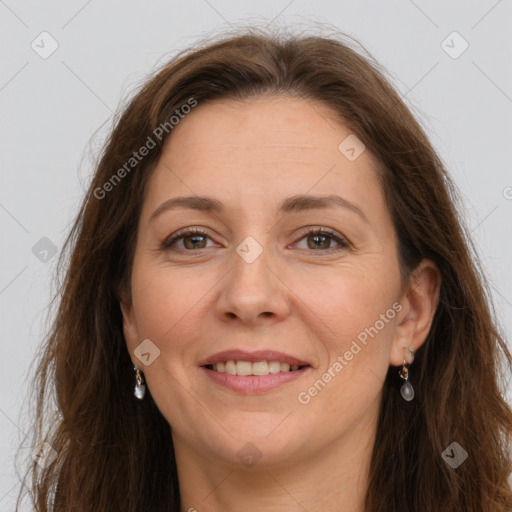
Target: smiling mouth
258 368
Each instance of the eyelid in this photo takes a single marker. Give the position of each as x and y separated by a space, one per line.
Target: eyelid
340 239
314 229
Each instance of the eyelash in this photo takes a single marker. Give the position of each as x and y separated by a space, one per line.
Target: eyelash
166 245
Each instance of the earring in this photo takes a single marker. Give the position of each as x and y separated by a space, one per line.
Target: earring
140 387
407 391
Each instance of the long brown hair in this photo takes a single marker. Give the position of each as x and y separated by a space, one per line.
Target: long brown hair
115 452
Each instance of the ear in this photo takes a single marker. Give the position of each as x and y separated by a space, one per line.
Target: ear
419 301
129 326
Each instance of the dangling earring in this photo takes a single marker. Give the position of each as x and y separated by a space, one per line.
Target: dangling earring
407 391
140 388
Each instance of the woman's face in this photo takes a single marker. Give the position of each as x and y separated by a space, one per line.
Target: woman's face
258 284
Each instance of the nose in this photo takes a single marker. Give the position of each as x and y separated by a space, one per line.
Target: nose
253 291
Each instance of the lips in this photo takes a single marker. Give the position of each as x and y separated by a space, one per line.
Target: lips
250 373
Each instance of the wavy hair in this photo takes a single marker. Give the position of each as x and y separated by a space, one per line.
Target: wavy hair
112 451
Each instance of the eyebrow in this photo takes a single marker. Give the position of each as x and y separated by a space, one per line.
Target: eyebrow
297 203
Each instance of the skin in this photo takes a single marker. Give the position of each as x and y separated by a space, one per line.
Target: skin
305 301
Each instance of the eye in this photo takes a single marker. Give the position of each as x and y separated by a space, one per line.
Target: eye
192 239
317 239
321 238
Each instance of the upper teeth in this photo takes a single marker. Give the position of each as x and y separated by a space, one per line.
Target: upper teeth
248 368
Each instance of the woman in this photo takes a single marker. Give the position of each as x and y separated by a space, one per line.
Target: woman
271 303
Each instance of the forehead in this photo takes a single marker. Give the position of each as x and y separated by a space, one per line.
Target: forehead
259 126
261 149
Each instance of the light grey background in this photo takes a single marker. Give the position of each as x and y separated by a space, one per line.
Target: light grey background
51 107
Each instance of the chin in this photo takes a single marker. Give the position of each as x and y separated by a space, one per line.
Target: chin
262 447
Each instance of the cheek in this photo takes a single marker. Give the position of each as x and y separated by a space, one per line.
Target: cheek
354 314
168 300
169 311
349 381
362 316
351 302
